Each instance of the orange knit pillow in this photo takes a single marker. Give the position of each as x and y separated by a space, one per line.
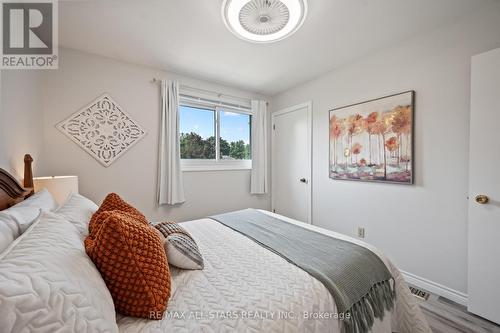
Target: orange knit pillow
114 202
131 259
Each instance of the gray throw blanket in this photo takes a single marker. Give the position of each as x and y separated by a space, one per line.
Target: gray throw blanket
358 280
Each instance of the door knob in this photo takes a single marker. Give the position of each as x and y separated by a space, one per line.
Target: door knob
303 180
482 199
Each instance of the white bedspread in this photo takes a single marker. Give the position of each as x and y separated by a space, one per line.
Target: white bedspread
246 288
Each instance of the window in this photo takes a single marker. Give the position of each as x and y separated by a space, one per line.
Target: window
197 130
235 136
214 138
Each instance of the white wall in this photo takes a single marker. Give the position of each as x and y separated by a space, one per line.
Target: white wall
20 119
421 227
81 78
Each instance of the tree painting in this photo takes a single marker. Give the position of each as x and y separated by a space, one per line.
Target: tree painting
336 131
373 141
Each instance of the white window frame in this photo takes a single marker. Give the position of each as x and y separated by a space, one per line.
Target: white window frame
192 165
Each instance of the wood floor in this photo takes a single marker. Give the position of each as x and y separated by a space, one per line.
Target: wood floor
445 316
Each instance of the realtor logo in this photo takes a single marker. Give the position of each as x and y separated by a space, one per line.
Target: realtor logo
29 34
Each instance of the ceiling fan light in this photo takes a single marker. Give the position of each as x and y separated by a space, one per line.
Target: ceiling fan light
264 21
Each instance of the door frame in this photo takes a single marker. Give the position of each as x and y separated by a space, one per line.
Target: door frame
294 108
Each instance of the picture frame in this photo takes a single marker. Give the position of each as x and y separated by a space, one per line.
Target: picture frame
373 140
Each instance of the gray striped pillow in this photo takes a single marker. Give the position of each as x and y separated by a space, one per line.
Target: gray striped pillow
180 247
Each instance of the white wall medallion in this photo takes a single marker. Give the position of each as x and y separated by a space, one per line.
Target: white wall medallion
102 129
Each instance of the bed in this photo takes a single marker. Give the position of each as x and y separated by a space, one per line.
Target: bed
243 287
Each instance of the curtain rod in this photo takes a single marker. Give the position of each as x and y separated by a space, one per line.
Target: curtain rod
155 80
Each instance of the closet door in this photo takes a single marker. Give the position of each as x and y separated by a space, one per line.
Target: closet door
484 187
291 162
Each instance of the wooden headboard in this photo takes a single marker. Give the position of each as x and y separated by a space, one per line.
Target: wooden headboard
11 192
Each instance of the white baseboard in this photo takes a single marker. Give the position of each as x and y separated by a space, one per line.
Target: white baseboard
436 288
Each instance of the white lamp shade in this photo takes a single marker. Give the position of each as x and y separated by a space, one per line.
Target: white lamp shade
59 186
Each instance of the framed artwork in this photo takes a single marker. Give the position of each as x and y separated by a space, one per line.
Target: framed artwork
373 140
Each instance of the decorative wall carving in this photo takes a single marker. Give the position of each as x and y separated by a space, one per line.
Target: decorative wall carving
102 129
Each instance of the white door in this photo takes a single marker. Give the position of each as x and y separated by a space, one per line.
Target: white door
291 162
484 179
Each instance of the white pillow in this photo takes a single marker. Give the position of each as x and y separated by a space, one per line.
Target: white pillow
9 230
49 284
42 199
180 255
181 249
78 210
22 216
15 220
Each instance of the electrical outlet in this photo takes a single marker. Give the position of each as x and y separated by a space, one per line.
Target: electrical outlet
422 295
361 232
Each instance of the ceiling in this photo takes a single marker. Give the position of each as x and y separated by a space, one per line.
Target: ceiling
189 37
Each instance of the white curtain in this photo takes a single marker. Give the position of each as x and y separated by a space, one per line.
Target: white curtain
170 184
259 182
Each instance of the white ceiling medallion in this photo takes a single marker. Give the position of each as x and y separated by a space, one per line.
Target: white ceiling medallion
264 21
102 129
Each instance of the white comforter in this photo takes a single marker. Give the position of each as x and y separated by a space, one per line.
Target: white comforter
246 288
